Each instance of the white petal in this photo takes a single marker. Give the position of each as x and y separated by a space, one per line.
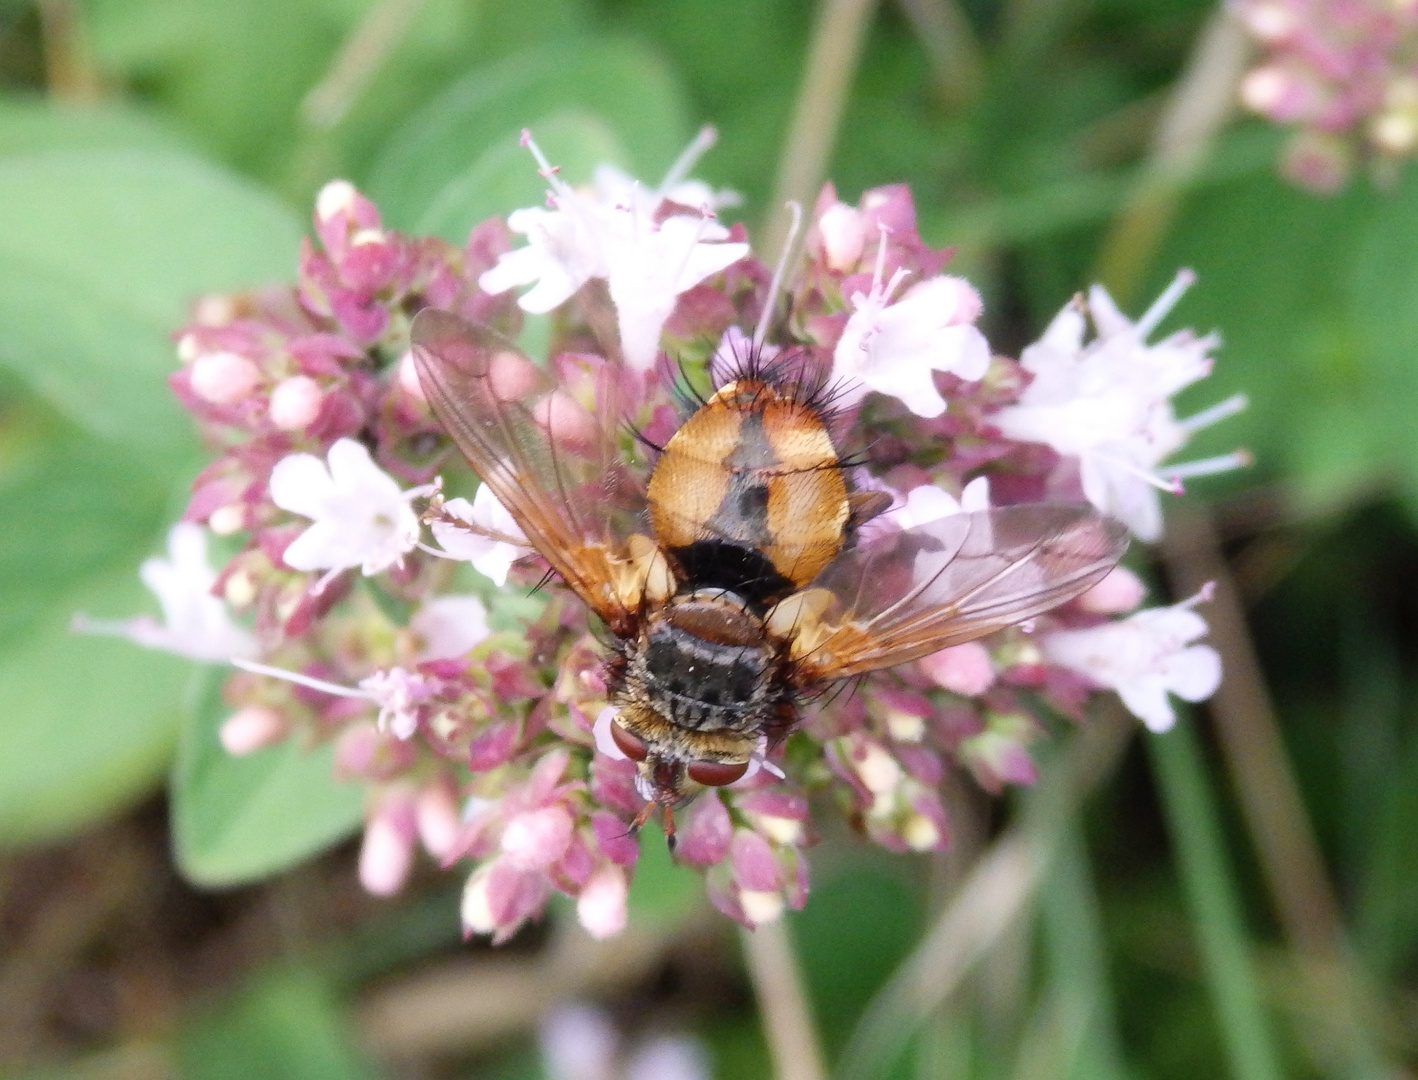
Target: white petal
976 495
449 626
323 546
1194 674
301 484
1147 700
355 473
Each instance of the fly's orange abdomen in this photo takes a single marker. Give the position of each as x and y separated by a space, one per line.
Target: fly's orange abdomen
748 492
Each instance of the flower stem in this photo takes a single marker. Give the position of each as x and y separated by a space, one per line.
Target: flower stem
1199 106
358 61
1272 806
951 47
989 901
782 1002
833 54
1190 809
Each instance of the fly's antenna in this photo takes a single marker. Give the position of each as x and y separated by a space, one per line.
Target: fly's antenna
761 330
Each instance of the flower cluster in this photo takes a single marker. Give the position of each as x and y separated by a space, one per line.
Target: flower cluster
1344 73
379 598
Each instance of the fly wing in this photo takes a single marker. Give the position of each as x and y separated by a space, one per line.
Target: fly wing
902 595
556 467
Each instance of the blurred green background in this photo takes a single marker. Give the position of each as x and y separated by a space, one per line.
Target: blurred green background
1238 898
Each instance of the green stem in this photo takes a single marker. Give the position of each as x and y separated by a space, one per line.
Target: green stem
1191 813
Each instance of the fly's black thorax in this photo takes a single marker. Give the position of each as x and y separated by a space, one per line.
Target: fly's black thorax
704 664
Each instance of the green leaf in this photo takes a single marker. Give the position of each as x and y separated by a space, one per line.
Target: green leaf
621 81
662 890
30 127
73 510
101 252
289 1026
236 820
499 181
89 723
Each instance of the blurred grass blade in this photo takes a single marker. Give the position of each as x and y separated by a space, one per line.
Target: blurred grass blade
1195 830
1073 938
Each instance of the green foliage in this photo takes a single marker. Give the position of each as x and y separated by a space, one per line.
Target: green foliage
101 252
288 1026
196 175
622 83
236 820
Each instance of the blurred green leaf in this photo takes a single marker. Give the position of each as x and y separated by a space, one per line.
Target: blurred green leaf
73 509
1265 255
662 889
89 723
232 74
289 1026
101 251
1383 297
29 127
621 81
499 181
240 819
856 928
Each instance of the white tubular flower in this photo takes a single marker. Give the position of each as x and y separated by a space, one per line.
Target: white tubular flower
448 626
613 234
927 503
1107 403
396 693
893 348
490 557
561 255
1144 658
195 623
361 517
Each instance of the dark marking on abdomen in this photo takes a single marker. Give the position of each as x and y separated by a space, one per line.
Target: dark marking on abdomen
720 564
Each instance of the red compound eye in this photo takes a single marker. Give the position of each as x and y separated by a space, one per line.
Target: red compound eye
632 746
716 773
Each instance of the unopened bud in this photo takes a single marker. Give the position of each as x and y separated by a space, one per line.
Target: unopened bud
224 378
601 906
408 378
387 854
760 907
239 590
295 403
250 729
225 520
1120 590
844 232
334 197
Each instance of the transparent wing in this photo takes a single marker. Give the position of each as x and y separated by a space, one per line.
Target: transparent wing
899 596
555 467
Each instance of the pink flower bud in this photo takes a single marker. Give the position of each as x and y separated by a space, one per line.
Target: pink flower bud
1119 591
408 378
705 831
225 520
476 906
436 810
1280 94
224 378
387 854
844 234
295 403
338 196
535 839
962 669
601 906
248 730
